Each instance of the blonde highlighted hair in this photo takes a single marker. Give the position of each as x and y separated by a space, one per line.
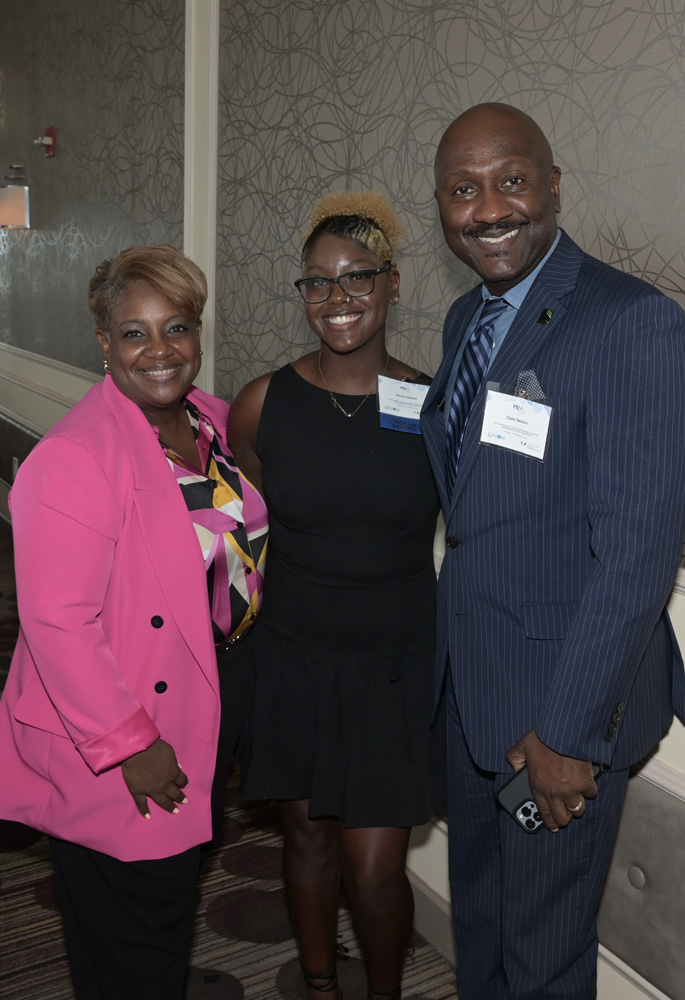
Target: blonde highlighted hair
367 217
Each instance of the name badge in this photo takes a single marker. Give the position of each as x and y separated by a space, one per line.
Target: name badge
399 404
516 423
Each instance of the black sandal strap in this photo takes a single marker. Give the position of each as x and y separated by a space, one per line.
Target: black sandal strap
394 993
328 979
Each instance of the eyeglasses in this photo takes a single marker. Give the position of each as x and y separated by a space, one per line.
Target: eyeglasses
353 283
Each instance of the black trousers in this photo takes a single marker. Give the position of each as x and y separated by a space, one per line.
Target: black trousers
128 925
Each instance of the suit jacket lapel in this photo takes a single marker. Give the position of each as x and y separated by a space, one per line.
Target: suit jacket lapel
166 528
433 411
522 344
177 560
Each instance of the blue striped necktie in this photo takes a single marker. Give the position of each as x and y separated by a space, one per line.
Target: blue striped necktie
472 368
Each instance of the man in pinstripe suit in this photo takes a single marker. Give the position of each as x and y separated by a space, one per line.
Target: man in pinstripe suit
555 649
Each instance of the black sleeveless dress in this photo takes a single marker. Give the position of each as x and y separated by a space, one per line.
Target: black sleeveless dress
344 644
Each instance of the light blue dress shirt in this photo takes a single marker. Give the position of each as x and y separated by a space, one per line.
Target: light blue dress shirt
514 298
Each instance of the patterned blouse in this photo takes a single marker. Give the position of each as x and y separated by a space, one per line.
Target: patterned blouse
230 520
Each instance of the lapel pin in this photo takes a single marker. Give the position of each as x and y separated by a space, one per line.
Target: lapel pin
545 316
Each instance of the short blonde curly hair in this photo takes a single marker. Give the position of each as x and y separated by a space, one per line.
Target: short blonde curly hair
367 217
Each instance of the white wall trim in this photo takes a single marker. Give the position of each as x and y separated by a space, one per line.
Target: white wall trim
201 151
433 917
37 391
631 975
663 776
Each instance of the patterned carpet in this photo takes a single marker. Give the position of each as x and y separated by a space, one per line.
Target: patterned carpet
244 948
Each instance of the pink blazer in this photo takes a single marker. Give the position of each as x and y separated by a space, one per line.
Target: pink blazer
116 644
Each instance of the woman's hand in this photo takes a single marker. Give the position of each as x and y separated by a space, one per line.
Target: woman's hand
156 774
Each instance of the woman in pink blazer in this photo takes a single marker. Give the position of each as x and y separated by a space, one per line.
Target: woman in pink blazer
139 553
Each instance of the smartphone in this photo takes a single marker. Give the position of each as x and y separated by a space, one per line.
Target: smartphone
517 798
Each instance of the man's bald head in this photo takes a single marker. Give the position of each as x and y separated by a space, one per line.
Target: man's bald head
498 193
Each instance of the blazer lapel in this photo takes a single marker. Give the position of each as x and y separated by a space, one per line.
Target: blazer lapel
433 411
522 344
166 529
178 564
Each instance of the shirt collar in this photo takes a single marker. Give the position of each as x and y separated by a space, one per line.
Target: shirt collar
517 294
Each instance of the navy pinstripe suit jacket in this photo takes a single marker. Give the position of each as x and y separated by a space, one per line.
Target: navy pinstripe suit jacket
551 606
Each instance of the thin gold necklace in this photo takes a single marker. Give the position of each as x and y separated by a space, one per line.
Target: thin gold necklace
335 402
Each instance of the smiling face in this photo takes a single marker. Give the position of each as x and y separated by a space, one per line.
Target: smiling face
153 350
498 194
345 323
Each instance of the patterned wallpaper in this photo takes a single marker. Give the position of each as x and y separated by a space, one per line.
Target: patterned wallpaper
318 96
110 75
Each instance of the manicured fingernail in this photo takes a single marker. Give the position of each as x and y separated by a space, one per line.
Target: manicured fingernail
184 801
175 810
147 816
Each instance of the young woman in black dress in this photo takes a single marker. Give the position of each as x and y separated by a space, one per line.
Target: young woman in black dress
340 728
